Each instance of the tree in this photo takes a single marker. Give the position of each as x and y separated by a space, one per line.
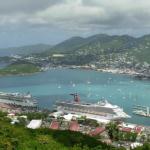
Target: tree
112 130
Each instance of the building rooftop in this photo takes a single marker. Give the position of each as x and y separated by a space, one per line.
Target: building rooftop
138 129
74 126
86 108
97 131
125 129
54 125
34 124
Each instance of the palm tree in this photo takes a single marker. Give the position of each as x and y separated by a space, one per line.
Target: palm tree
112 130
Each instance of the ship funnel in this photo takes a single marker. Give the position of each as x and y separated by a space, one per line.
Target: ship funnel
76 97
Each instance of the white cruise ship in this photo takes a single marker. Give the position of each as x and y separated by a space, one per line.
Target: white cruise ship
100 111
25 100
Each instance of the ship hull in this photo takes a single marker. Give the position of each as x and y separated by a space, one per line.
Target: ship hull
17 99
101 113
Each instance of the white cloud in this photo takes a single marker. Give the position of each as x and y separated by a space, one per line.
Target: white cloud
78 14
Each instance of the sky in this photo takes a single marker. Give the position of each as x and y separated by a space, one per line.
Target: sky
25 22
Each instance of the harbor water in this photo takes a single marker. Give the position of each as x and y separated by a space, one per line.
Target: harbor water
57 84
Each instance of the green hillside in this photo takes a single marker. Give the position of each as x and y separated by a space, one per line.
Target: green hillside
104 51
95 44
101 50
17 137
20 68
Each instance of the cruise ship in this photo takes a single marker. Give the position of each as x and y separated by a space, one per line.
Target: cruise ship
102 111
18 99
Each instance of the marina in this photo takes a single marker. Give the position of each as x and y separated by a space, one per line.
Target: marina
102 111
17 102
121 90
141 110
18 99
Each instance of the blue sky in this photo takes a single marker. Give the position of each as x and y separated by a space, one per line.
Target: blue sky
24 22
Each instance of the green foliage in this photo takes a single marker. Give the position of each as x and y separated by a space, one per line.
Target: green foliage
2 114
3 117
37 115
112 130
14 137
115 134
146 146
14 69
89 122
105 49
22 121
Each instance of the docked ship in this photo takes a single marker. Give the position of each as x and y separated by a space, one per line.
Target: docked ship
102 111
18 99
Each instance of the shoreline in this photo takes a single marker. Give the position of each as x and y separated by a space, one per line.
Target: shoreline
121 71
111 70
126 71
132 73
21 74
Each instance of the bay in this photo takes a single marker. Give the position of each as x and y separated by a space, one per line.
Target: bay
56 84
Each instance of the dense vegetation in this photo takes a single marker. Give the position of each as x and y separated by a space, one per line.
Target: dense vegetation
89 122
146 146
104 51
36 115
20 68
16 137
116 134
104 45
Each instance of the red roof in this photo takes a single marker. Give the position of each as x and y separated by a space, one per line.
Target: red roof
74 126
138 129
97 131
54 125
3 105
125 129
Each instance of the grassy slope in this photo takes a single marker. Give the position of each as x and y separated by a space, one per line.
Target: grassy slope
19 69
16 137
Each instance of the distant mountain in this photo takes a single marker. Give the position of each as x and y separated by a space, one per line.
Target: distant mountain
68 45
98 42
24 50
103 48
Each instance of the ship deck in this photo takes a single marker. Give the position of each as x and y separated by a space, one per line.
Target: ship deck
88 108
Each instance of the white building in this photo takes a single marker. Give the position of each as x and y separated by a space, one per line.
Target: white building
34 124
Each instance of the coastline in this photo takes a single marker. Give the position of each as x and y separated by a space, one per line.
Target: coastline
125 71
119 71
19 74
133 73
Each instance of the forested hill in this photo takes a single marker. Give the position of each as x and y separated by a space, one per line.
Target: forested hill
101 50
102 44
104 50
17 137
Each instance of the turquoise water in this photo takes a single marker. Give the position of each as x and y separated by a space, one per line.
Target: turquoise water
57 84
